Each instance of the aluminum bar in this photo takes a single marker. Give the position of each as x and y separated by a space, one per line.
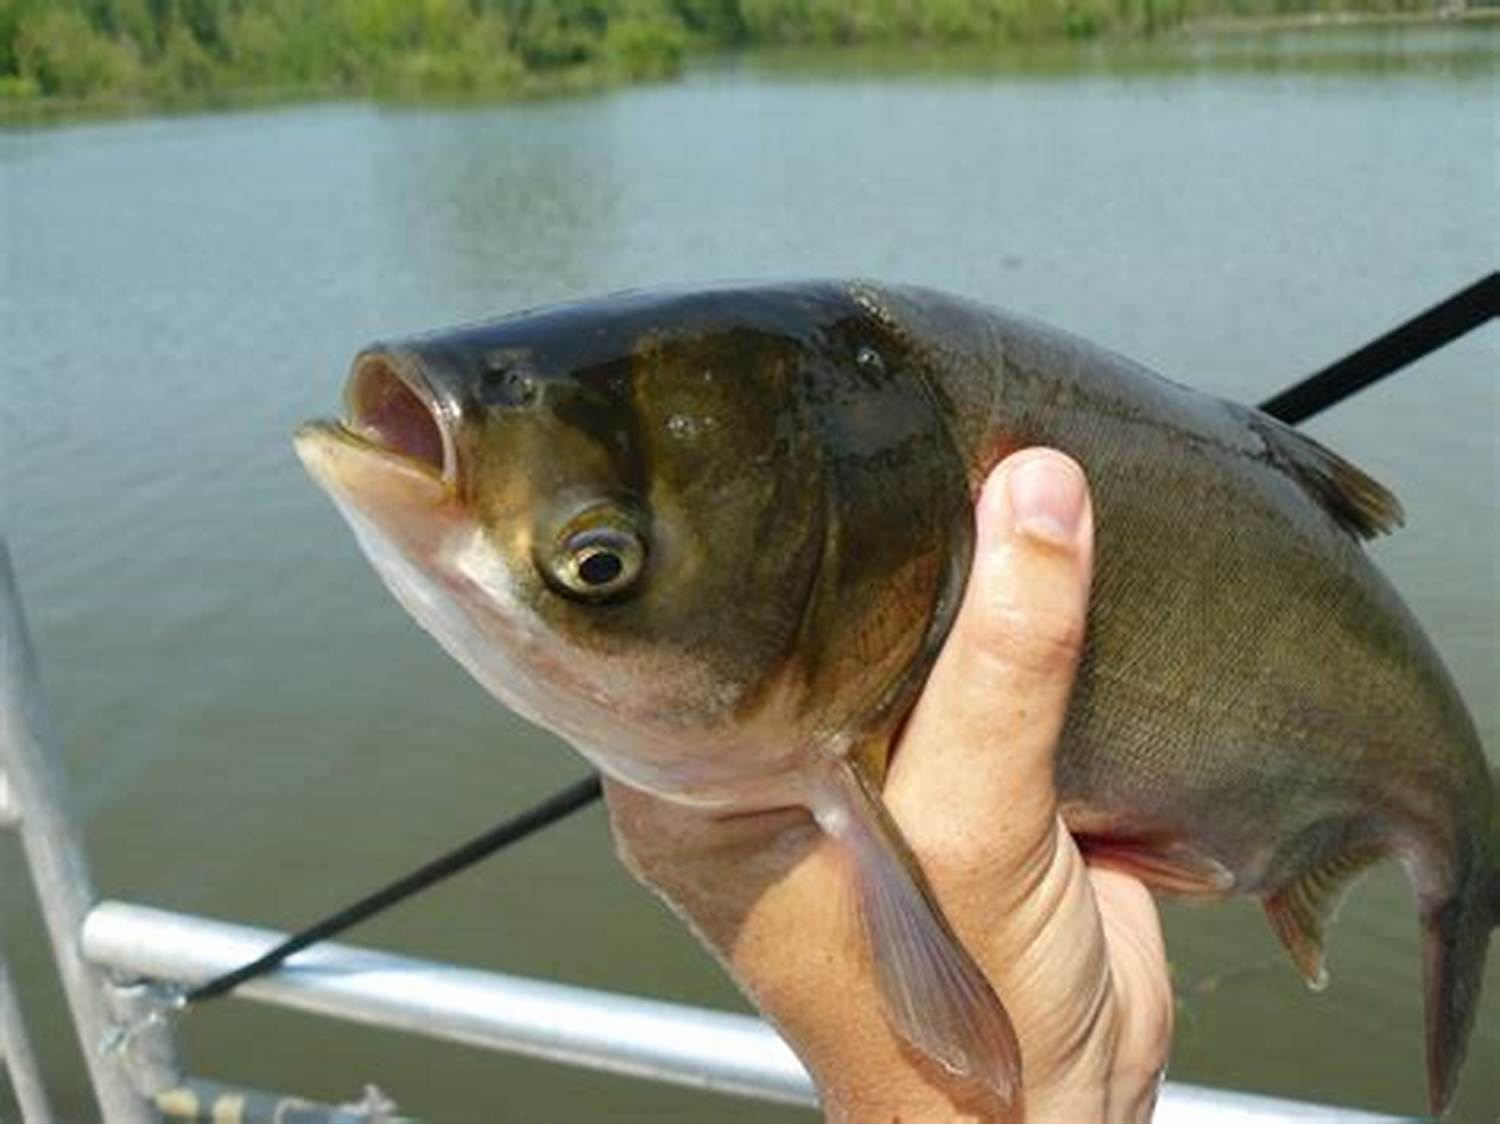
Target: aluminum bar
52 840
10 816
607 1031
16 1054
645 1038
203 1099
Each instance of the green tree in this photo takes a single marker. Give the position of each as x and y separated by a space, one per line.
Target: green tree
185 67
58 50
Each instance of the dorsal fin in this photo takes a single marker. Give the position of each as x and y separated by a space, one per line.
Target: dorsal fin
1362 505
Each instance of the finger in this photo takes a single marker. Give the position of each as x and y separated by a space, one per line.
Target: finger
973 774
1138 970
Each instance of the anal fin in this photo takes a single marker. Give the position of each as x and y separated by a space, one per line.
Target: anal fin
1301 911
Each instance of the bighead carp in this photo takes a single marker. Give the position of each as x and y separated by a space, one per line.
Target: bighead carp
715 539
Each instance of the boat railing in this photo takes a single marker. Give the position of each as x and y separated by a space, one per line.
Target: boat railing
123 967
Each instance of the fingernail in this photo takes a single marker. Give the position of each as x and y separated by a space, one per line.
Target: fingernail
1046 499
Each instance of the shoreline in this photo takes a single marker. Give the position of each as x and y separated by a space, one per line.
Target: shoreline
1336 21
57 111
20 113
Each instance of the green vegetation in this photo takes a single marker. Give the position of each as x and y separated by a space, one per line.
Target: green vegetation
988 22
168 50
161 51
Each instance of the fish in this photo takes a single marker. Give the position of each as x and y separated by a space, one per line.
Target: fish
715 538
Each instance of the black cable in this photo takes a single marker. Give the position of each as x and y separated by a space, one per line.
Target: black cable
554 808
1424 333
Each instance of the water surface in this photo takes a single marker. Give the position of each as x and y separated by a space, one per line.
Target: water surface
257 732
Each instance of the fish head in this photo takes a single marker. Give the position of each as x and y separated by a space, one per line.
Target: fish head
615 514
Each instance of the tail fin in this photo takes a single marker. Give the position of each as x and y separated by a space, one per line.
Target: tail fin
1456 939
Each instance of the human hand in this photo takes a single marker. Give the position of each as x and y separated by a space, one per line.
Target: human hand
1074 952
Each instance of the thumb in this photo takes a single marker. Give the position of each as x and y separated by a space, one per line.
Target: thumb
972 776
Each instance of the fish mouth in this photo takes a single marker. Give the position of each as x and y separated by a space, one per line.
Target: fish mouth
391 417
389 407
393 444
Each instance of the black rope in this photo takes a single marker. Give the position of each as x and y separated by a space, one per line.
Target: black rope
1425 333
553 809
1422 334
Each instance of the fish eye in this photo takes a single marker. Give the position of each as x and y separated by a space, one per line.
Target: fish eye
508 386
869 360
596 562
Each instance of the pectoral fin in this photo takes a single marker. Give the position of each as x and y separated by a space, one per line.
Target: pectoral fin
1167 866
936 998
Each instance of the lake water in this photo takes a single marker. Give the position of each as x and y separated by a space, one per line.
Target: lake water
257 732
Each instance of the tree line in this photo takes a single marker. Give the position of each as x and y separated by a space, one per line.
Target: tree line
165 50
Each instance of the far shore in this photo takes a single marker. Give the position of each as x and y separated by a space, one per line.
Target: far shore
585 80
1315 21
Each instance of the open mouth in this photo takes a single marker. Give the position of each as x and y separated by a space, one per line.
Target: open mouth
384 410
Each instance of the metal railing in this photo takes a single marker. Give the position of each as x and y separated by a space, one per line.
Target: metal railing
108 954
114 957
42 810
645 1038
17 1055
